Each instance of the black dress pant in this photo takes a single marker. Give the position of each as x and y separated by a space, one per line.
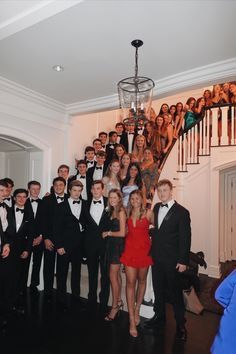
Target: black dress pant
165 279
37 260
75 258
49 270
96 258
5 287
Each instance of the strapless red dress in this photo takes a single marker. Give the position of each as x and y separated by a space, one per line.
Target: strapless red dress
137 245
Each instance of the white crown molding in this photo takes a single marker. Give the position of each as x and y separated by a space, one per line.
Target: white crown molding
33 15
204 75
30 95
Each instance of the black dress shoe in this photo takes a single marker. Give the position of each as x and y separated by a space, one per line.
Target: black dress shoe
154 322
181 333
34 290
19 311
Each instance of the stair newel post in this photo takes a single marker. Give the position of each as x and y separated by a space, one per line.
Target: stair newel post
181 153
204 121
224 131
215 138
207 132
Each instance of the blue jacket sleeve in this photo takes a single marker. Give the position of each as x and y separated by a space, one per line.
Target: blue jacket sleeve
225 290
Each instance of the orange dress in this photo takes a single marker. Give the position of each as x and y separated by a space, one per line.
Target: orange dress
137 245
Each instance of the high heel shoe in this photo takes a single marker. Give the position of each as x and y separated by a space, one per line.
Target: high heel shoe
120 304
108 317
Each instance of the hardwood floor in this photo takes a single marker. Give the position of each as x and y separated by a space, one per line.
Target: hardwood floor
47 330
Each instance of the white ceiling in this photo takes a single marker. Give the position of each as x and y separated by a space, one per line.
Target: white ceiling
91 39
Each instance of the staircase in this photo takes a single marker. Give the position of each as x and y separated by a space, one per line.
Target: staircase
217 128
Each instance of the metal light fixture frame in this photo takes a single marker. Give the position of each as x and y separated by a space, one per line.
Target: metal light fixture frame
135 88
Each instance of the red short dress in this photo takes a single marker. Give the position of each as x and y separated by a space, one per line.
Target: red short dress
137 245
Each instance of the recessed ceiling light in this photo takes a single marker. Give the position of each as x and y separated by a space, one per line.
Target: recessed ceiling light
58 68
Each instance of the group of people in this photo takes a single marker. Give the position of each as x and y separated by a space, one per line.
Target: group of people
65 228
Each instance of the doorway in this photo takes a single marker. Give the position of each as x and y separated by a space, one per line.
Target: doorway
20 161
228 214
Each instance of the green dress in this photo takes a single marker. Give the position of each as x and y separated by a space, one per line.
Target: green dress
189 119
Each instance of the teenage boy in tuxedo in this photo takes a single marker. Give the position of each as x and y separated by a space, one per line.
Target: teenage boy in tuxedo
97 144
83 177
89 153
120 128
103 137
111 145
95 246
69 225
62 171
128 138
35 206
21 232
50 204
171 240
4 253
8 199
98 171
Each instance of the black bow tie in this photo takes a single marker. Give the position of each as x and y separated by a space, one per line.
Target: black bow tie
2 205
97 201
62 198
82 177
140 128
103 146
131 133
9 198
164 205
34 200
21 210
98 168
91 162
76 201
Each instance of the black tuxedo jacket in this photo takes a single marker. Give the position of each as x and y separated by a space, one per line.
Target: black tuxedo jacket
38 219
93 237
88 183
91 171
49 205
171 242
67 227
110 150
124 141
22 239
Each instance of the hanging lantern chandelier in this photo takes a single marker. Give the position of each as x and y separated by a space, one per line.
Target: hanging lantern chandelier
135 93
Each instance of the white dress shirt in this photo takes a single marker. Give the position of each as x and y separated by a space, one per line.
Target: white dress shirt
3 217
140 131
34 206
90 163
19 217
130 142
76 209
84 183
96 210
163 210
8 202
58 199
98 173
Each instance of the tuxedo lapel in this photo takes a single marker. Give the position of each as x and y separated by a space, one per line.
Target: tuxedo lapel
168 215
24 220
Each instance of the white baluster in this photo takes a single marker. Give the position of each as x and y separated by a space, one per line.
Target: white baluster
196 150
215 139
232 125
179 154
200 138
207 132
224 131
185 150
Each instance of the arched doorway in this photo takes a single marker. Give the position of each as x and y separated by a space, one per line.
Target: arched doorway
20 160
24 157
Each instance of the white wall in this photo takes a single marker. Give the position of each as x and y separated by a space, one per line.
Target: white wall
17 167
2 165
